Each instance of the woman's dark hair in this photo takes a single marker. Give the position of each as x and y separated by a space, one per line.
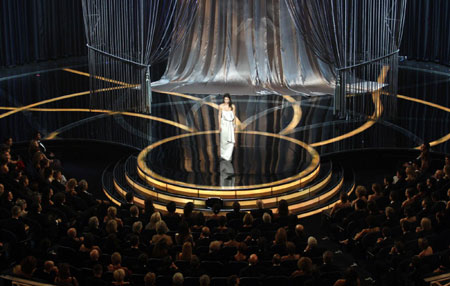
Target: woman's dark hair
283 209
230 104
171 207
188 208
148 205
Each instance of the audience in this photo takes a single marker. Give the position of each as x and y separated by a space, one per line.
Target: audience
402 225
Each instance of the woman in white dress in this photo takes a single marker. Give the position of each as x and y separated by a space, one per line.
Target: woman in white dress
227 112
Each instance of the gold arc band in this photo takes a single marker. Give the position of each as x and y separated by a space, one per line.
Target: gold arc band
150 176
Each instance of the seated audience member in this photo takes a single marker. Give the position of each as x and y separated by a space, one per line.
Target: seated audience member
361 194
328 264
26 268
253 269
291 253
258 213
236 214
178 279
241 250
341 204
48 272
304 271
171 218
119 277
15 224
424 247
150 279
186 252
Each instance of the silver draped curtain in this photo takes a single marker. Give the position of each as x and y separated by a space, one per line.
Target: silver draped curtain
245 47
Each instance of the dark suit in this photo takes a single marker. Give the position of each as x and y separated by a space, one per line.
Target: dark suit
258 213
235 215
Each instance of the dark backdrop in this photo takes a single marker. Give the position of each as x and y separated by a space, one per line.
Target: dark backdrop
40 30
427 31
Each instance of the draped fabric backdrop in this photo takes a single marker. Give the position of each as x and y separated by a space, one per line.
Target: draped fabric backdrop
245 47
360 40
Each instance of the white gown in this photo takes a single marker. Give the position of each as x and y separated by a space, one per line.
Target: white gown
227 135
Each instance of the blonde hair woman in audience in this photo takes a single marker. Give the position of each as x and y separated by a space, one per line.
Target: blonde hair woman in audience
186 252
111 214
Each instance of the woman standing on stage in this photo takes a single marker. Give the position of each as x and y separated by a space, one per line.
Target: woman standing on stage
227 112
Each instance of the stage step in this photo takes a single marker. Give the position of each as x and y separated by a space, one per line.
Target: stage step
313 189
116 183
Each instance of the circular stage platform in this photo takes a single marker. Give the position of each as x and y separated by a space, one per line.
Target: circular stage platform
263 163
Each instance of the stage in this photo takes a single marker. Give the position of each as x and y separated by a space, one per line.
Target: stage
283 141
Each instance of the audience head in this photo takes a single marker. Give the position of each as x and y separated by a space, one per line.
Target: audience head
171 207
283 208
28 266
129 197
312 241
327 257
186 251
116 258
276 259
360 191
299 230
281 236
259 204
94 254
236 206
154 219
93 223
119 275
178 279
304 264
248 219
266 218
204 280
161 227
214 246
188 209
137 227
134 211
150 279
253 259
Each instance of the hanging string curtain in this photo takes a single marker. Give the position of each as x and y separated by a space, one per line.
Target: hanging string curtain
346 32
355 37
125 38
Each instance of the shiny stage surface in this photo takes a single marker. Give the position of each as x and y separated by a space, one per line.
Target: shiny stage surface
281 139
258 159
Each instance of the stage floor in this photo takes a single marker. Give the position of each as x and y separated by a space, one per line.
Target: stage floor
280 140
55 100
